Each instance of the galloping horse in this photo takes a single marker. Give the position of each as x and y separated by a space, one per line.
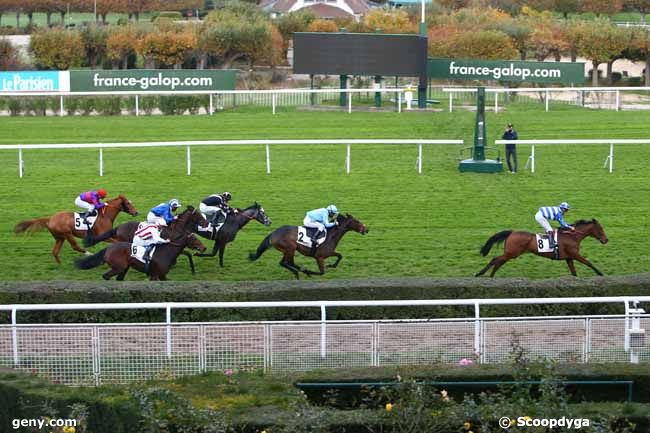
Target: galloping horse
118 257
230 227
285 240
186 222
62 225
517 243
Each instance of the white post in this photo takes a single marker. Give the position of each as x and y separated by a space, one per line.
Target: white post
477 330
273 102
169 330
347 161
61 106
618 100
137 105
323 332
532 155
451 102
548 95
20 163
14 336
611 157
349 102
101 162
420 158
268 160
496 102
211 106
399 102
189 161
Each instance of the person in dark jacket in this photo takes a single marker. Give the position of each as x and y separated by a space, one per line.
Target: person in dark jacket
511 148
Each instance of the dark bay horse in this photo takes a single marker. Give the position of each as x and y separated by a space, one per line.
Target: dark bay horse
118 257
63 227
285 240
230 227
517 243
186 222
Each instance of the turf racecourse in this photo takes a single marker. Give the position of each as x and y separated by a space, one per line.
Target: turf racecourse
420 225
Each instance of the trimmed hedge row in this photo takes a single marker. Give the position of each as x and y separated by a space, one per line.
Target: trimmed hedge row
367 289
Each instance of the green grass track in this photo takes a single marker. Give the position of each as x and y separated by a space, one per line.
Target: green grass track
420 225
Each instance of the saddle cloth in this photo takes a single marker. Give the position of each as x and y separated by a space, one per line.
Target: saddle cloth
305 235
543 244
79 223
137 252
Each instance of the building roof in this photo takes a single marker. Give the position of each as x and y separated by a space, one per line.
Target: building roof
321 10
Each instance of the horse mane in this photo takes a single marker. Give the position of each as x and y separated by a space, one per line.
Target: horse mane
585 222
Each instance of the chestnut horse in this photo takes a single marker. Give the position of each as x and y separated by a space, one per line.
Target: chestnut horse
62 224
118 257
285 240
517 243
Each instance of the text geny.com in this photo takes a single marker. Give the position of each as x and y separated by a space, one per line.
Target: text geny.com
145 82
497 73
42 423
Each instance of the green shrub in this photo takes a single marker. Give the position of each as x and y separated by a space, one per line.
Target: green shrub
108 105
3 103
148 104
72 105
170 105
36 106
14 106
87 105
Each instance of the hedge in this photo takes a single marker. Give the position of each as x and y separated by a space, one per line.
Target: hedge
364 289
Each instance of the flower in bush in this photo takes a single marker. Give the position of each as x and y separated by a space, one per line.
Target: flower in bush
69 429
228 372
444 395
465 361
467 425
389 407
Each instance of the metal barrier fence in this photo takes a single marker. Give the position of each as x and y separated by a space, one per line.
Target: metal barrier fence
189 144
77 354
609 161
615 98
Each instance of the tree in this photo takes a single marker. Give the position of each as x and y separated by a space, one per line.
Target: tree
641 44
57 49
567 7
290 23
167 48
9 57
484 44
548 39
642 6
519 30
121 43
325 26
389 21
94 39
599 41
602 7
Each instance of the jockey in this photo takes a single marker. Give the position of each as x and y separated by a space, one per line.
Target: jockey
90 201
553 213
148 235
163 214
216 204
321 219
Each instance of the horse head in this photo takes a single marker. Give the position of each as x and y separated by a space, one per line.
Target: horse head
348 222
191 241
190 217
260 215
124 204
593 228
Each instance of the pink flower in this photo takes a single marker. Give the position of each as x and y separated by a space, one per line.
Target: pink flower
465 361
228 372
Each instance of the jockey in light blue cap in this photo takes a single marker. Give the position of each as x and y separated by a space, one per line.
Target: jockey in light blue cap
322 218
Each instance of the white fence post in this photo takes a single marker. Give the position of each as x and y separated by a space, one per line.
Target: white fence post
323 332
268 159
349 102
137 105
610 158
189 161
399 102
451 102
101 162
273 102
347 160
477 331
14 337
618 100
531 159
496 102
211 106
547 97
169 331
61 106
20 163
419 158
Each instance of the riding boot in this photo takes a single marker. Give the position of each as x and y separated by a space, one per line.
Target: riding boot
147 257
551 239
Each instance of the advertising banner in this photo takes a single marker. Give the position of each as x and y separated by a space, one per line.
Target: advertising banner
139 80
34 81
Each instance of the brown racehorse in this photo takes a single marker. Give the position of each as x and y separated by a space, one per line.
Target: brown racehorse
118 257
285 240
62 224
517 243
186 221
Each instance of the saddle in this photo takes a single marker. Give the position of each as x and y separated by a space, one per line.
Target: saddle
308 235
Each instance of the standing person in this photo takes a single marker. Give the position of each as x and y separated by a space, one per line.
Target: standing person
511 148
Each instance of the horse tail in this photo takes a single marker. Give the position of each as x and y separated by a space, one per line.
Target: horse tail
496 239
265 245
91 240
31 225
91 261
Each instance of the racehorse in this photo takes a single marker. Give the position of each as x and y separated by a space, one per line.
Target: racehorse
118 257
62 225
517 243
186 221
230 227
285 240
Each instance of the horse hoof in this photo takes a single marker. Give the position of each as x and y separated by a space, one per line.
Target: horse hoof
88 253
